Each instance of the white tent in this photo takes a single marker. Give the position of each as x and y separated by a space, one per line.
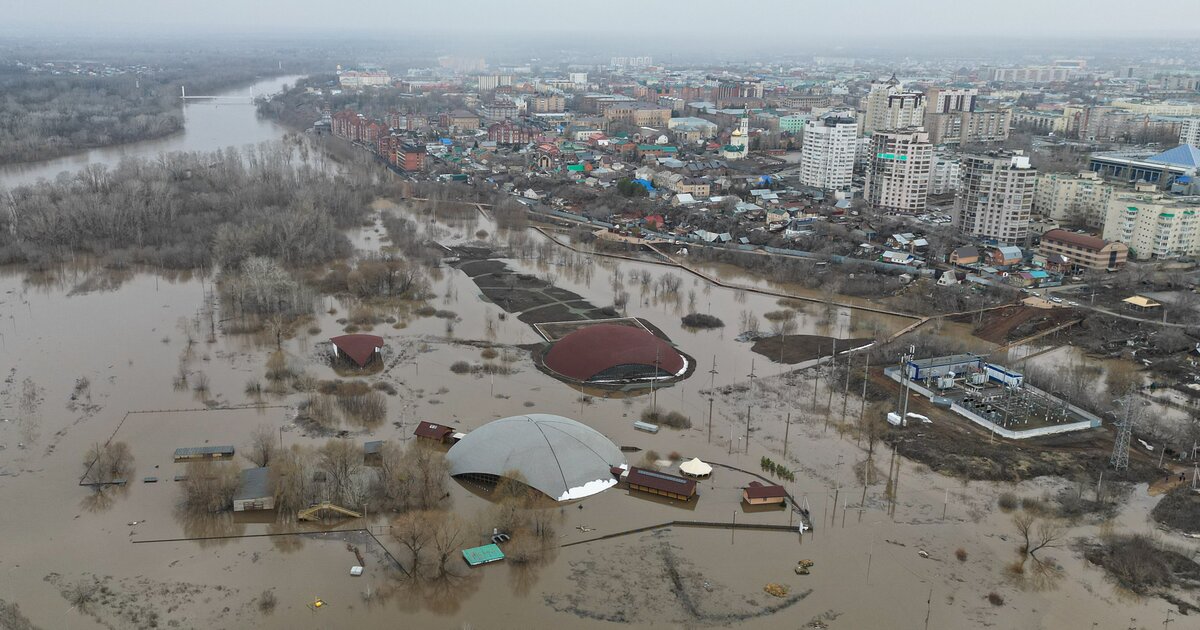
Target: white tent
695 468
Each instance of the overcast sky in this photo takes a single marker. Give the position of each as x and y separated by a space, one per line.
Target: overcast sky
800 20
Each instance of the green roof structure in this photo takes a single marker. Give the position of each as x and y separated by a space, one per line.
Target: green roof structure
476 556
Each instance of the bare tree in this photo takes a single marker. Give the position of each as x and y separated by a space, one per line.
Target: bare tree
209 487
341 460
290 479
106 462
412 530
447 534
1038 534
261 448
428 471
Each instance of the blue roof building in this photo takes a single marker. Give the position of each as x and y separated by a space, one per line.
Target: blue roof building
1182 161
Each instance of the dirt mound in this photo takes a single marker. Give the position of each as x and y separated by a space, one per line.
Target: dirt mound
1011 323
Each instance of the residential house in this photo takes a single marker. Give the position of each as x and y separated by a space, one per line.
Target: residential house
897 258
439 433
1083 250
1004 256
964 256
698 187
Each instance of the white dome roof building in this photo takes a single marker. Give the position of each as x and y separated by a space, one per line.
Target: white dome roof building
557 456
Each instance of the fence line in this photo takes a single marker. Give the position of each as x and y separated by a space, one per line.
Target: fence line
129 413
697 524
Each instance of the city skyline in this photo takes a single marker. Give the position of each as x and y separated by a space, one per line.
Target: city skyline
1064 20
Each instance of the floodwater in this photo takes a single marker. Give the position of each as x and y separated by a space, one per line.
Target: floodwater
130 335
208 126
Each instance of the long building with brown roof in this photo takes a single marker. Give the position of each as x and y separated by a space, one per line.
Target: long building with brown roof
1084 250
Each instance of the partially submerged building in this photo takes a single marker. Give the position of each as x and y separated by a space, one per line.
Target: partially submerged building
762 494
201 453
360 350
611 353
254 491
435 432
557 456
659 483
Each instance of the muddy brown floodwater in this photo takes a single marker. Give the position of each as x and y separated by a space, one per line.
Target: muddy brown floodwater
880 559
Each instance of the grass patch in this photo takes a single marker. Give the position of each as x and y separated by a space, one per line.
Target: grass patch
672 419
1179 509
700 320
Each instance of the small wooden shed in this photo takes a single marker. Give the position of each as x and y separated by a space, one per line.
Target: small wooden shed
762 494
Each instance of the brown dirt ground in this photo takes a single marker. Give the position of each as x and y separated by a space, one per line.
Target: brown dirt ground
799 348
1017 322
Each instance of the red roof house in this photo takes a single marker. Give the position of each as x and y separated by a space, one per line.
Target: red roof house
361 349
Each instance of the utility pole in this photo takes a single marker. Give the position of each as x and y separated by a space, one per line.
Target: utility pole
815 369
862 410
751 376
712 381
747 429
787 426
653 392
904 382
710 410
829 404
845 393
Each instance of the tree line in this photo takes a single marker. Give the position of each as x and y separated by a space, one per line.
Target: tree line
44 115
190 210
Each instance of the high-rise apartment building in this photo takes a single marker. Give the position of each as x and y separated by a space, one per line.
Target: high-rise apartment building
890 107
898 170
952 116
1078 199
827 157
1189 132
995 196
1154 225
944 174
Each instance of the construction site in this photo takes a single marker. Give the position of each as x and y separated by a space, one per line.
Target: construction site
988 394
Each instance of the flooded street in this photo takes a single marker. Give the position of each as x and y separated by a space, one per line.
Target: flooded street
142 358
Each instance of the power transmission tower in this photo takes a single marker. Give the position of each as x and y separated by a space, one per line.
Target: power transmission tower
1120 454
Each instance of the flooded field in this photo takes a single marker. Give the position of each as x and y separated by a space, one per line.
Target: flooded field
83 348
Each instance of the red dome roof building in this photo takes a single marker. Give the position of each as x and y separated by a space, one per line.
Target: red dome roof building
609 353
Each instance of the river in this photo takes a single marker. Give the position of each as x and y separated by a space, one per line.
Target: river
208 126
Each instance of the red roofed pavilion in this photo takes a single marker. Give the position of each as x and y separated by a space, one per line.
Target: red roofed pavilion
361 349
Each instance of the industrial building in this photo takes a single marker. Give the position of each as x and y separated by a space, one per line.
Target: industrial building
990 395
